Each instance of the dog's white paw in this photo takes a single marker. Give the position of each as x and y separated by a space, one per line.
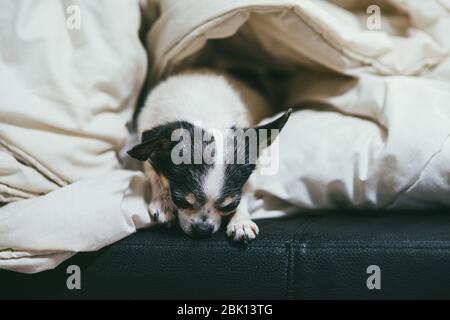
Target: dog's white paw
160 212
242 230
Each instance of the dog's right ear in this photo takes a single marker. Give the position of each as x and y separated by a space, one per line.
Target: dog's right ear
154 143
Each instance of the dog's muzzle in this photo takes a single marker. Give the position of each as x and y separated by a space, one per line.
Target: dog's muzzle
202 229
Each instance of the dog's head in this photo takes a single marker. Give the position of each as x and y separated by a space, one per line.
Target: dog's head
205 170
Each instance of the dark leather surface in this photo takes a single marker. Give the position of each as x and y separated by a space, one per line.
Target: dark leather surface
320 255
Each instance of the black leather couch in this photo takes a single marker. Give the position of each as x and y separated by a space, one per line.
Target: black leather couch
317 255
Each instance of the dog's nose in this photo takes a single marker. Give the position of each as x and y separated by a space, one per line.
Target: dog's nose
202 229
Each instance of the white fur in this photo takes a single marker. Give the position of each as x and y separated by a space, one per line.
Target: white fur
214 181
207 99
215 176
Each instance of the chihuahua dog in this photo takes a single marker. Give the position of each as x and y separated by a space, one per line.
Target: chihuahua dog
191 151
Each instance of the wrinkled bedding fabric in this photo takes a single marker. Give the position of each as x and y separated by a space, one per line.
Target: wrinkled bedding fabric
65 98
370 129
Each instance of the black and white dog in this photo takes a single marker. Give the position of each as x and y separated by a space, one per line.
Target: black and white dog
197 166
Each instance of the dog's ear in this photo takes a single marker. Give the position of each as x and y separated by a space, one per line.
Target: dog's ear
252 141
267 133
154 142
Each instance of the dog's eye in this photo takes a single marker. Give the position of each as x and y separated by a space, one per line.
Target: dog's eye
182 203
228 209
228 204
184 200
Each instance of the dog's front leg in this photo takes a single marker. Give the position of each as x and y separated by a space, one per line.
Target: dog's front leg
160 207
241 227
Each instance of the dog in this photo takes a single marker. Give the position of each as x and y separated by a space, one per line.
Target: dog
212 106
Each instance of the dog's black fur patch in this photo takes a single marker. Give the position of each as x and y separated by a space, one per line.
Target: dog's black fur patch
156 147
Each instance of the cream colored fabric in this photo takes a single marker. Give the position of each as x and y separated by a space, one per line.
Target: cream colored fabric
65 96
292 31
372 131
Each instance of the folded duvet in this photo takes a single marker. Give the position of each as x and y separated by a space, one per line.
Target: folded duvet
370 129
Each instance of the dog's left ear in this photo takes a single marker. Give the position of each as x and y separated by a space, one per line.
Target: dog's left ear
154 142
267 133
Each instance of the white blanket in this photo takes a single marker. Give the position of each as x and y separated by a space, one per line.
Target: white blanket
66 95
372 132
